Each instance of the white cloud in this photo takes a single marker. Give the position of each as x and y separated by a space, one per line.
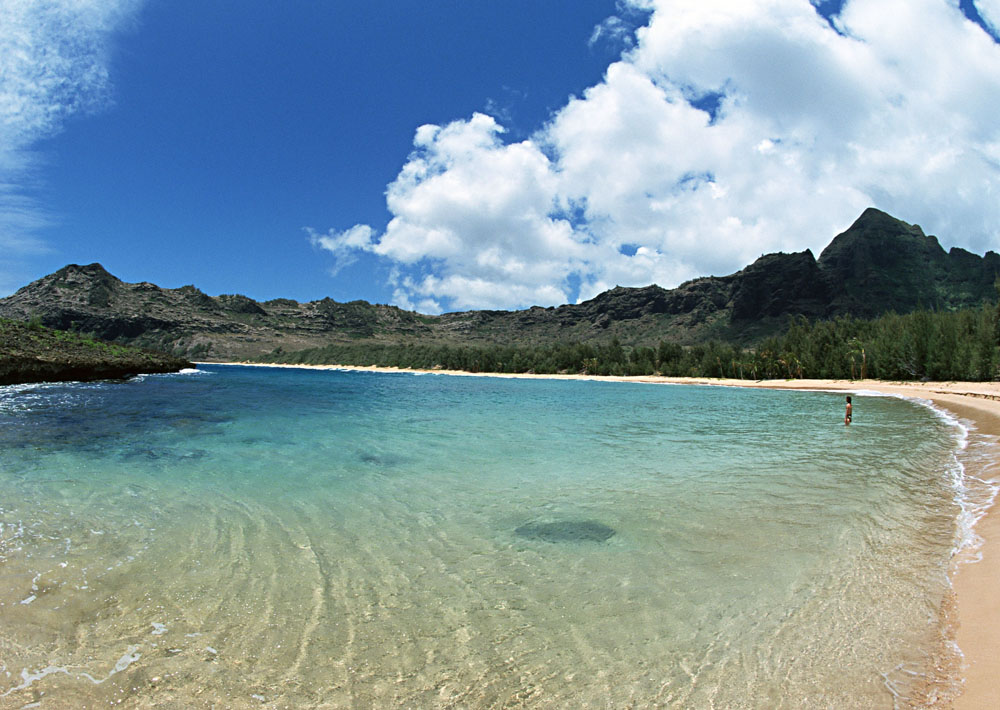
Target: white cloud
613 31
53 63
989 10
343 245
729 130
483 214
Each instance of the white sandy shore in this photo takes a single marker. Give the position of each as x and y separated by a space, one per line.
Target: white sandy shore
977 585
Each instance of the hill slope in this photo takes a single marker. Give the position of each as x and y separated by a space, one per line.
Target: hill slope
879 264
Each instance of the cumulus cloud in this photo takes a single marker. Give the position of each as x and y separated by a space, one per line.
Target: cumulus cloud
53 64
730 129
476 212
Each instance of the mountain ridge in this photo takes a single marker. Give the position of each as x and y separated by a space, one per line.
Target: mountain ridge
877 265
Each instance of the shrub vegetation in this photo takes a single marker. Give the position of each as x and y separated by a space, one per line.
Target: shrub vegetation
959 345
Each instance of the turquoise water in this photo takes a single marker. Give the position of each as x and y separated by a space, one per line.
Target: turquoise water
260 537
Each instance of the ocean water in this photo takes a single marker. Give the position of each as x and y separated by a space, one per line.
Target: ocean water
261 537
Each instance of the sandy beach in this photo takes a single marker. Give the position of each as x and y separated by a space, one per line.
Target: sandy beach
975 581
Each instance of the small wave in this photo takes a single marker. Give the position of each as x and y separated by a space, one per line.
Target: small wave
977 486
973 494
14 389
185 371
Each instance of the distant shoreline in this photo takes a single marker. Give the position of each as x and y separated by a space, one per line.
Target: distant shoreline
978 632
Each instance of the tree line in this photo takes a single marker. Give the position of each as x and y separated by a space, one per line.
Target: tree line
959 345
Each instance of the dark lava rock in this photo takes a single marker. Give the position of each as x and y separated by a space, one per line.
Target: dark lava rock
566 531
32 353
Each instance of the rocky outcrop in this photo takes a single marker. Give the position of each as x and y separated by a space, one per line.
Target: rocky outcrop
32 353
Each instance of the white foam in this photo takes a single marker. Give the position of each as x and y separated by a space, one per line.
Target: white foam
974 496
130 657
14 389
159 629
29 678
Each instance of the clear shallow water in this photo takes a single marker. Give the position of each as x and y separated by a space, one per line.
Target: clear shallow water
249 537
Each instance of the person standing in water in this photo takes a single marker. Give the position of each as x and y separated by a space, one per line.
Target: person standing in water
848 414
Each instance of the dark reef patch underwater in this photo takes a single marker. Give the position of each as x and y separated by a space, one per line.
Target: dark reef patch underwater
566 531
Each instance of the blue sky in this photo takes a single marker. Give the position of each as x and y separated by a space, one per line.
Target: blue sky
453 155
225 132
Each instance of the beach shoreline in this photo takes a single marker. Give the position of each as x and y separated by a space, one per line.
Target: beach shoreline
977 615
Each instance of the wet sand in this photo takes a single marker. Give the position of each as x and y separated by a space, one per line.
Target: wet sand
975 583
